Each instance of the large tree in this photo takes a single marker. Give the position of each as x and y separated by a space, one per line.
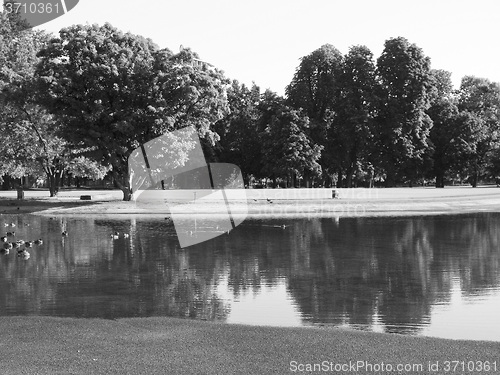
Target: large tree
313 87
115 91
446 134
239 131
479 103
403 125
350 134
288 152
30 145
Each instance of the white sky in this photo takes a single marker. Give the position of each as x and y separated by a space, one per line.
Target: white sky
262 40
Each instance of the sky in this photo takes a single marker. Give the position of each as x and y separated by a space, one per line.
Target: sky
262 41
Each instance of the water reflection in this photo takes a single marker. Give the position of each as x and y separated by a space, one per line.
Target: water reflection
436 276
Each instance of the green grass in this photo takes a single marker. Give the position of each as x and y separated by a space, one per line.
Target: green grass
47 345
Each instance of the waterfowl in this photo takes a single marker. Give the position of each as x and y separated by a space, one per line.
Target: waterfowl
115 235
7 245
28 244
15 245
5 251
24 254
126 235
39 242
3 238
11 234
20 242
64 233
269 200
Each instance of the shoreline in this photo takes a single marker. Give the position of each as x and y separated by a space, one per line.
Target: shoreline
352 203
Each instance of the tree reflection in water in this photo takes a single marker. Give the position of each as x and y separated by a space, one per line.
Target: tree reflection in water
364 272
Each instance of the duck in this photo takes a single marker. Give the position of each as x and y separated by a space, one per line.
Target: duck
126 235
64 233
7 245
15 245
269 200
20 242
5 251
38 242
3 238
9 234
23 253
28 244
115 235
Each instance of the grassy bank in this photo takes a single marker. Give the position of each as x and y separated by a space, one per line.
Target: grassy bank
352 202
46 345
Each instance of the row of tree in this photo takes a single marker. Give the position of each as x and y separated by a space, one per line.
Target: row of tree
81 102
351 121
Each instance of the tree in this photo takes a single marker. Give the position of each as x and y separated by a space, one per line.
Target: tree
403 126
288 152
28 146
350 134
445 146
479 103
239 131
116 91
313 87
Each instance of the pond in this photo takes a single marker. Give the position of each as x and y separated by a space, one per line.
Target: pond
429 275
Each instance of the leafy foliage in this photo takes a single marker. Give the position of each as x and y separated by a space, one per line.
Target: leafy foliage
351 132
116 91
403 125
30 144
287 150
239 131
479 103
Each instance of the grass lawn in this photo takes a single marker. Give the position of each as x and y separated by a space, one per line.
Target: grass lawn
48 345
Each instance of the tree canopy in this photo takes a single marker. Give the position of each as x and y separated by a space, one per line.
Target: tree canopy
116 91
83 101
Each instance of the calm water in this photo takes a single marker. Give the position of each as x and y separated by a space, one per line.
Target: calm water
436 276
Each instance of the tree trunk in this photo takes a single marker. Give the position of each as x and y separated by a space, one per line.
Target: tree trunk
6 182
349 173
473 179
54 180
390 180
339 178
440 179
123 183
